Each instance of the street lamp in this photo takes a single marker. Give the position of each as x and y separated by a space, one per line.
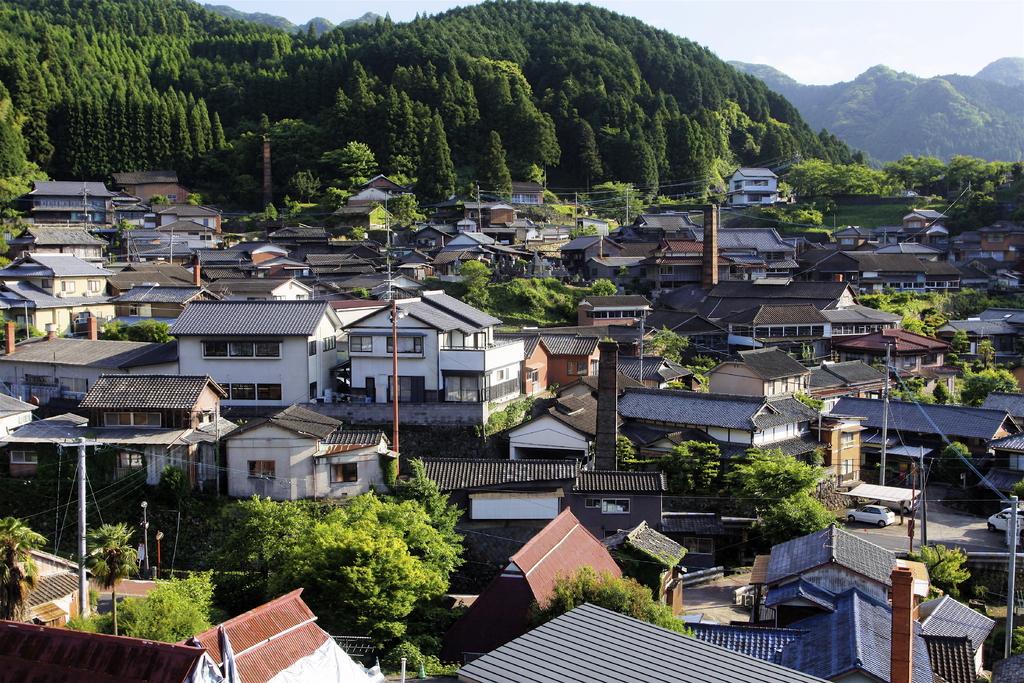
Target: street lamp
145 540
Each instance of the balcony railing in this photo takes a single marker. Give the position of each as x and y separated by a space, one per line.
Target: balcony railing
502 390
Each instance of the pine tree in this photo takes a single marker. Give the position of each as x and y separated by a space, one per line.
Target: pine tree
589 157
493 171
436 177
181 140
217 133
199 125
12 148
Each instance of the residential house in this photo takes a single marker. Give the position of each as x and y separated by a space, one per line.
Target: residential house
840 436
593 643
1003 242
640 550
622 270
753 186
913 355
857 319
1012 403
605 502
70 201
364 216
527 192
298 453
679 262
567 428
432 236
262 289
148 245
502 611
148 184
875 271
13 414
155 302
485 215
60 290
944 619
164 215
655 372
704 336
264 353
597 225
700 533
852 237
40 239
767 372
733 296
54 599
569 357
447 349
577 252
831 381
657 226
278 641
332 267
301 239
44 370
612 310
124 276
800 329
1000 334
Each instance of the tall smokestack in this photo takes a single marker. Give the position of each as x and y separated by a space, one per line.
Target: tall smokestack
709 264
901 649
607 406
268 186
93 328
197 274
10 329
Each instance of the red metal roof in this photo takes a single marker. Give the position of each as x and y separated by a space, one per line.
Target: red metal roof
901 341
40 654
268 639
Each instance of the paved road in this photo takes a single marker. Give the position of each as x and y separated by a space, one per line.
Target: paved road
951 528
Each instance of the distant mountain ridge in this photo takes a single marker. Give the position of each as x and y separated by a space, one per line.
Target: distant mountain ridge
889 113
319 24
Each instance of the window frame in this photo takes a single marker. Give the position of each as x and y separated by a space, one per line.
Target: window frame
258 469
268 389
417 344
20 457
365 344
350 467
608 503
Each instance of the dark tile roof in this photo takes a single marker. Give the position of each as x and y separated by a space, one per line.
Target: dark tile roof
771 314
948 617
801 590
656 369
1008 670
901 341
250 318
798 445
51 587
958 421
458 309
590 643
719 410
856 636
76 188
952 658
569 345
296 419
59 265
830 546
765 644
173 295
616 301
354 437
646 540
1001 400
772 363
457 473
580 243
52 236
845 374
682 322
979 327
171 392
859 314
589 481
187 210
143 177
697 523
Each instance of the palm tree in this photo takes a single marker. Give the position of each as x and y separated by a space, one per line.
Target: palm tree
111 558
17 568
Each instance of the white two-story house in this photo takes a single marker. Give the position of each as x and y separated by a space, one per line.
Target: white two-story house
753 186
447 352
264 353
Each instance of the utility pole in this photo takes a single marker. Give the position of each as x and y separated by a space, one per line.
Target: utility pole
885 417
83 586
627 204
924 501
643 317
1011 576
145 540
394 374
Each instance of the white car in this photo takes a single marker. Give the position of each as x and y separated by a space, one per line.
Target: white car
878 515
1001 520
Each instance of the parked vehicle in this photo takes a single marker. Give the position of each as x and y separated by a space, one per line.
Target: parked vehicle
879 515
1001 520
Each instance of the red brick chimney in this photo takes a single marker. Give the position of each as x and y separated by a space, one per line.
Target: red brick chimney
901 652
607 406
10 329
51 331
268 186
709 263
197 274
93 328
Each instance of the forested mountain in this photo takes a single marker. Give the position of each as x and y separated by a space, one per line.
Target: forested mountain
318 25
573 91
888 114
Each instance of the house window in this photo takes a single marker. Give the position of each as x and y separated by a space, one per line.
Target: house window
312 390
345 473
215 349
129 460
39 380
263 469
268 349
94 285
67 286
593 503
594 367
241 349
699 546
847 438
77 385
243 392
268 392
46 283
131 419
312 347
329 343
406 344
360 344
576 367
465 389
24 458
533 374
141 310
614 506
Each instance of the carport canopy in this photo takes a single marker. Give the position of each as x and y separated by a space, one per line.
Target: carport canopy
886 494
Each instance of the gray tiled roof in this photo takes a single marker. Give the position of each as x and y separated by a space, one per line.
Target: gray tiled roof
251 318
1008 670
301 420
589 481
719 410
803 590
568 344
770 314
75 188
14 293
948 617
354 437
847 373
457 473
952 658
596 645
52 587
188 210
697 523
772 363
580 243
766 644
655 368
959 421
828 546
12 406
172 392
159 294
47 236
858 314
100 353
459 309
1012 403
647 541
60 265
979 327
142 177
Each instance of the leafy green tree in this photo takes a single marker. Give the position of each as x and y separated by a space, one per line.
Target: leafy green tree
794 516
1018 490
111 558
669 345
976 386
304 184
352 165
171 612
951 461
405 209
603 287
768 475
625 451
623 595
421 489
18 572
986 353
960 344
810 401
946 568
692 466
476 276
436 176
494 174
941 393
142 331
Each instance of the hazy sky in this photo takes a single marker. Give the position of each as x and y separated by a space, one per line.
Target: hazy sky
814 41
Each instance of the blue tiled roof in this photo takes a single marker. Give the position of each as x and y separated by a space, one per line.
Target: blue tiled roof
831 545
763 643
855 637
801 589
958 421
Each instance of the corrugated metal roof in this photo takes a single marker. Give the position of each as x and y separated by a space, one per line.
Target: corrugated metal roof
250 318
596 645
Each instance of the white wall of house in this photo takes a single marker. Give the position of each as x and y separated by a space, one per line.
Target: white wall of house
729 435
370 473
736 378
288 290
497 505
378 363
11 422
547 433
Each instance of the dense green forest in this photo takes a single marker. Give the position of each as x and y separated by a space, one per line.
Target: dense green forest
889 114
573 93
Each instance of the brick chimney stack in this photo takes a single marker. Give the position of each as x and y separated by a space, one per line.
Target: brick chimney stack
197 274
607 406
709 263
268 185
51 331
10 329
901 653
93 328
